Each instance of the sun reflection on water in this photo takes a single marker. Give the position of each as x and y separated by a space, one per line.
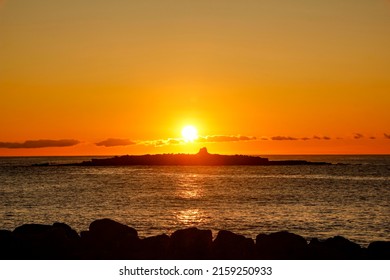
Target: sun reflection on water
189 187
190 217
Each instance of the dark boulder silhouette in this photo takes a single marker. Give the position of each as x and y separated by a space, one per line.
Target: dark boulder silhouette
335 248
281 245
191 243
108 229
35 241
31 230
229 246
379 250
70 233
8 245
107 239
155 248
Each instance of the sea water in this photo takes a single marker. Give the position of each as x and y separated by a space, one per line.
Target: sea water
351 199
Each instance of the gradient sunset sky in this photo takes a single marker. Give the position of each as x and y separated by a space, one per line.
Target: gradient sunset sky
93 77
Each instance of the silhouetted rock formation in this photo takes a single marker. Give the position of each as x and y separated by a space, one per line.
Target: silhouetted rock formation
201 158
34 241
156 248
336 247
230 246
191 243
379 250
281 245
107 239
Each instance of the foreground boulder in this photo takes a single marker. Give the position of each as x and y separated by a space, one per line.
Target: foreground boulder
230 246
281 245
335 248
7 245
155 248
191 243
108 239
36 241
379 250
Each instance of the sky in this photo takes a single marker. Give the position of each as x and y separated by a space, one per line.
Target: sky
93 77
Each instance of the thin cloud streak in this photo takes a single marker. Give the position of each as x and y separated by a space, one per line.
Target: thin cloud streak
387 136
283 138
201 139
112 142
225 138
315 137
42 143
162 142
291 138
237 138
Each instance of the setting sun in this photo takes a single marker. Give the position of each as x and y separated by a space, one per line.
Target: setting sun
189 133
130 80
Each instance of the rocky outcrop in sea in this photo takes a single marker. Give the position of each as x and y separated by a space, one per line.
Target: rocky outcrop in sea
202 158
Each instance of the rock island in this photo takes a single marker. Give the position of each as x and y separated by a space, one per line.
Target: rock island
203 157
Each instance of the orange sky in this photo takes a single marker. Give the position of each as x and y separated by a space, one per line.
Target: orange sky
289 77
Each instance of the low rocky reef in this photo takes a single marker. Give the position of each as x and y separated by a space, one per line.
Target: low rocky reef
107 239
202 158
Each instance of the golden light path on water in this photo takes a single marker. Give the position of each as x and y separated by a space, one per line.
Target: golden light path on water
350 199
189 188
190 217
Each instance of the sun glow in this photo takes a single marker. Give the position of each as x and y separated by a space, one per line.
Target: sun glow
189 133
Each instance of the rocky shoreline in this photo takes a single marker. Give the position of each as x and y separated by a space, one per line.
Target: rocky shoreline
107 239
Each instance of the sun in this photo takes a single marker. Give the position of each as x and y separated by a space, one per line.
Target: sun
189 133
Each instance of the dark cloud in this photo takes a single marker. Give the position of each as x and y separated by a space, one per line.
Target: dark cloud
372 138
111 142
42 143
282 138
305 138
264 138
315 137
387 136
358 136
225 138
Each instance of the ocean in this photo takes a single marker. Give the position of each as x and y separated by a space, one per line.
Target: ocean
350 198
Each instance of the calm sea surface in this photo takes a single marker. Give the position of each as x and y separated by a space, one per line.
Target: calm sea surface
351 200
